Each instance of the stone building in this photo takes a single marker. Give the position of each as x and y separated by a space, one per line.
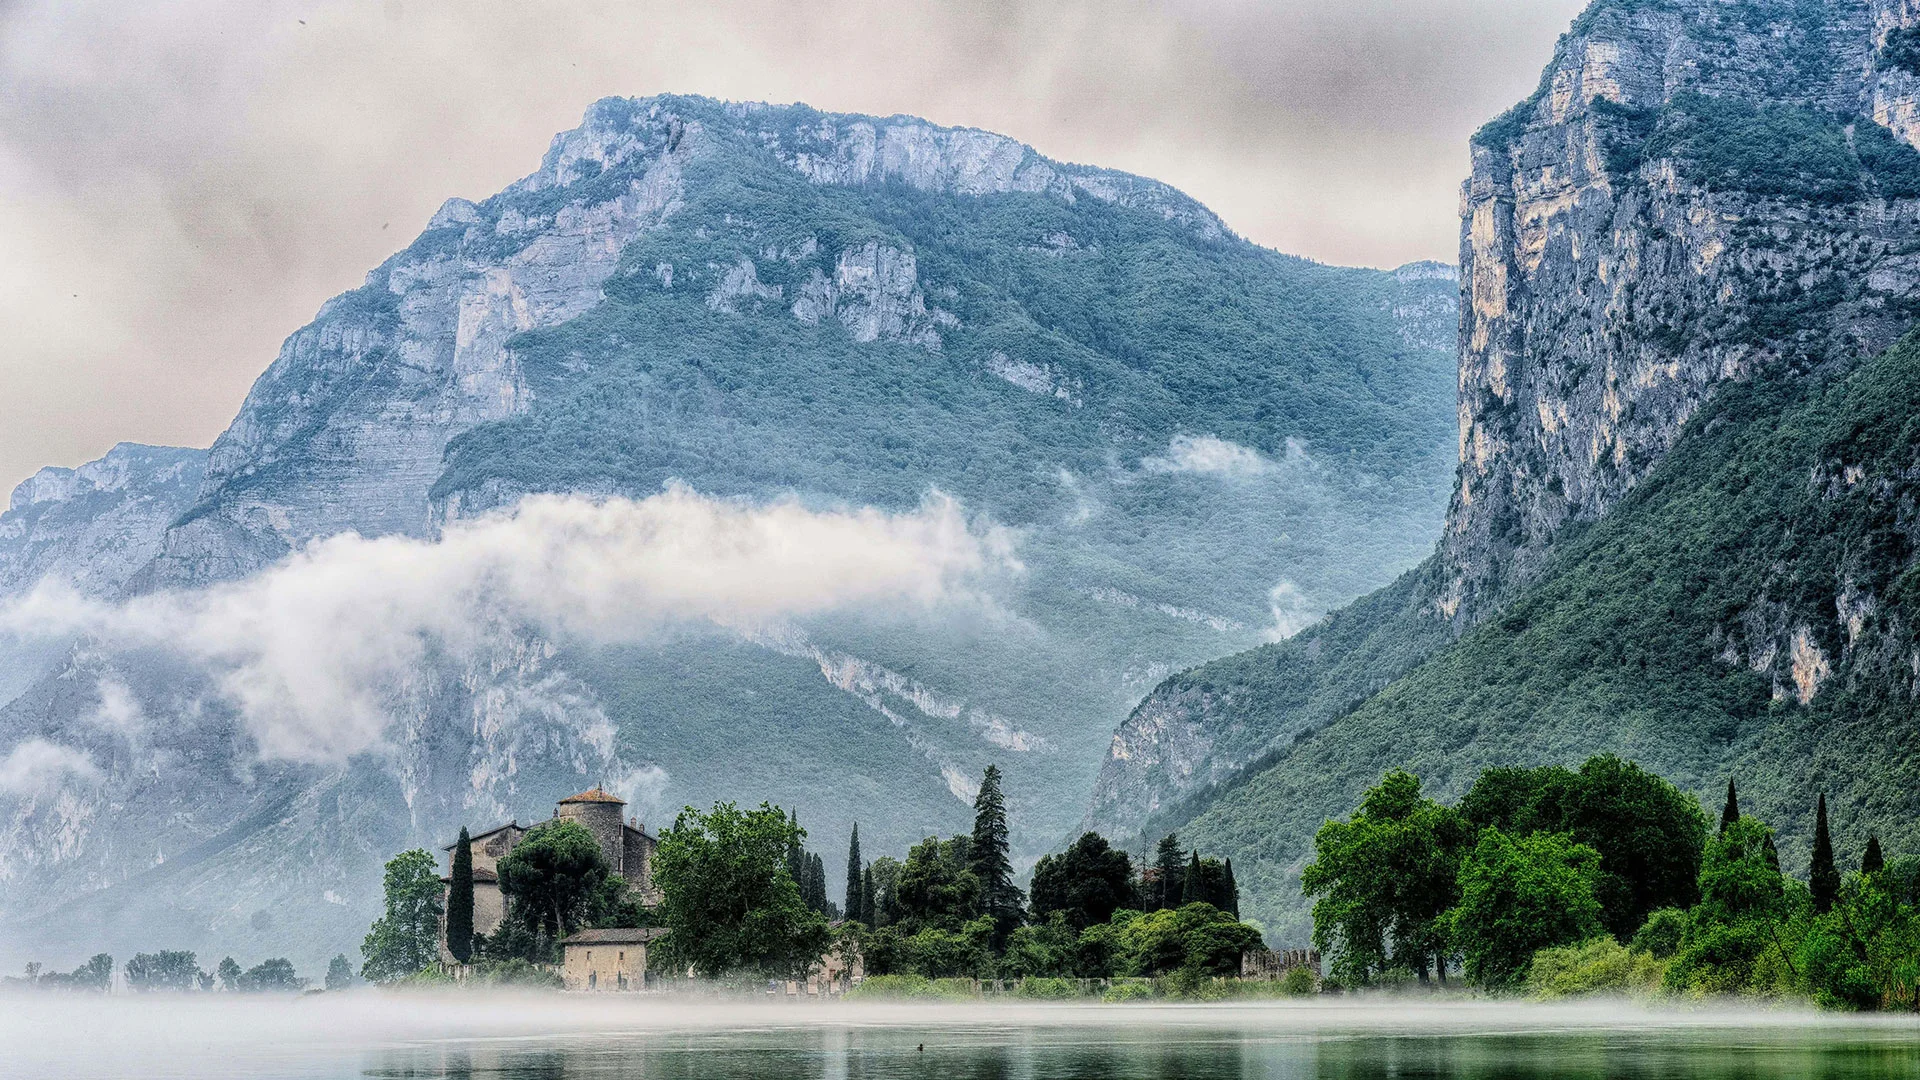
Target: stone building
625 842
607 959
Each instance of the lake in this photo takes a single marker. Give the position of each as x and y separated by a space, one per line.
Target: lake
549 1038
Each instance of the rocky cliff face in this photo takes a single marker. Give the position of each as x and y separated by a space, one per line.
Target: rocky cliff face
98 525
1619 261
1697 192
346 430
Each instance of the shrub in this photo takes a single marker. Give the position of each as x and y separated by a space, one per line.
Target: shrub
1043 988
1128 990
1662 933
912 988
1298 982
1600 966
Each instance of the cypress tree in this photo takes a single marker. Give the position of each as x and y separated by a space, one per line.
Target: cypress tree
1822 878
853 877
1233 892
867 914
1772 853
1195 883
987 854
1873 861
1168 892
460 900
1731 812
796 859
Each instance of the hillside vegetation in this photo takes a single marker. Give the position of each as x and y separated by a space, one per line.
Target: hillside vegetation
1748 610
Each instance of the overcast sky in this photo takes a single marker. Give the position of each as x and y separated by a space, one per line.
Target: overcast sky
183 182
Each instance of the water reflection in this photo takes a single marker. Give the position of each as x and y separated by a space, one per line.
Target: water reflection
1016 1052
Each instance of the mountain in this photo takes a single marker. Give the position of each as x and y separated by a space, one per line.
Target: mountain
1188 443
95 526
1688 237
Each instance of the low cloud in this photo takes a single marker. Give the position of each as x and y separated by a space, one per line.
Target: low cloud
313 650
1207 455
37 766
1292 612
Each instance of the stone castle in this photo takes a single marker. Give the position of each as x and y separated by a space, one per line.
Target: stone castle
625 842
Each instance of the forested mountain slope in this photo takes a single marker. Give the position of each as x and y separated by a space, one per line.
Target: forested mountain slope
1698 193
1191 444
1751 609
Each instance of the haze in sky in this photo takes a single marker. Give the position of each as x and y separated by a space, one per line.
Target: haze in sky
182 183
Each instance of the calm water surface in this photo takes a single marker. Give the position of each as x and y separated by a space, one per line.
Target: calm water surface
539 1040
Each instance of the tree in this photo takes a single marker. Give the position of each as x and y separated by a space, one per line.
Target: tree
727 899
229 973
1384 880
869 913
1169 874
1086 883
339 971
405 939
550 878
460 900
271 976
164 970
1520 895
1873 861
1822 877
937 886
1729 813
855 869
886 890
1649 833
1233 892
988 857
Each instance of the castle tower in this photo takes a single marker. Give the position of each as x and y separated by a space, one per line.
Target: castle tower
600 814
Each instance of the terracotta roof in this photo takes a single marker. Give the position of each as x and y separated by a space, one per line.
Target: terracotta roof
593 795
475 838
480 873
636 936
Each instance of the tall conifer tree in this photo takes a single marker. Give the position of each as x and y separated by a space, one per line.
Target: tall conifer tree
1233 892
1822 878
1195 883
987 854
1772 853
854 867
460 900
1873 861
1731 812
1170 869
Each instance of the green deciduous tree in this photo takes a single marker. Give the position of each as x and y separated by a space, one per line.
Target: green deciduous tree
168 969
271 976
1085 884
729 901
460 900
1519 895
937 885
1384 879
405 939
339 972
1649 833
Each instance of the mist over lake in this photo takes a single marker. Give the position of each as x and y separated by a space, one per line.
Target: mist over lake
539 1037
